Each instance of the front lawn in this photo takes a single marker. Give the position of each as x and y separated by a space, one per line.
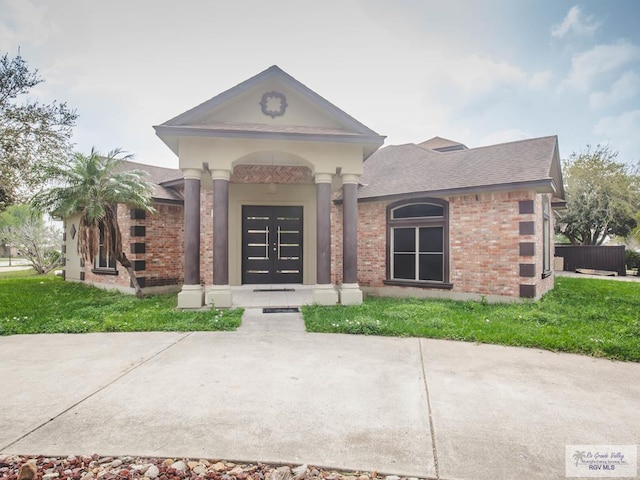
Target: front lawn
47 304
593 317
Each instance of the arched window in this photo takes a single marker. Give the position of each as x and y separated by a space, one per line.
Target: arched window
418 243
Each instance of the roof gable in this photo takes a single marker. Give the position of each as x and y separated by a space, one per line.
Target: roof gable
441 144
242 105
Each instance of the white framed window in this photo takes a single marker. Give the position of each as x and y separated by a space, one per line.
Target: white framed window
104 261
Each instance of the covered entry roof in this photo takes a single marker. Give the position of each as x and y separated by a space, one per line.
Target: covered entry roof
272 106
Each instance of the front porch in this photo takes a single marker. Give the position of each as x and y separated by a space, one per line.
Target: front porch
261 164
272 295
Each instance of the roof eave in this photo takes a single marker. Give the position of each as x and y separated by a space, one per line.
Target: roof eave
539 186
557 204
186 131
169 201
176 182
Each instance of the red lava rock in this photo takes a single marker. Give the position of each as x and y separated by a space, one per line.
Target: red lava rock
124 473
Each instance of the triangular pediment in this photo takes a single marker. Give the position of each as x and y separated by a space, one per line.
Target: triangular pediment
271 104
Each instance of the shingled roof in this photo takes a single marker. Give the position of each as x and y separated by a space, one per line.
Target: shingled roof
411 169
441 144
160 177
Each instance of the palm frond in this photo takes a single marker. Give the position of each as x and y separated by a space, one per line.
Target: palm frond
90 185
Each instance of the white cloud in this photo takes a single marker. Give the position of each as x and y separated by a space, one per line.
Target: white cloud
626 87
452 82
477 74
621 132
23 23
576 22
540 79
587 67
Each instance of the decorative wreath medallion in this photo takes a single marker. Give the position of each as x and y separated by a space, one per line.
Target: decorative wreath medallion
273 104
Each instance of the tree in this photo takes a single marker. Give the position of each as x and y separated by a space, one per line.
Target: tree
32 134
37 241
603 197
92 186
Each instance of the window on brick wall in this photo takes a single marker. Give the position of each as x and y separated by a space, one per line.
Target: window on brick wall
546 237
104 262
417 243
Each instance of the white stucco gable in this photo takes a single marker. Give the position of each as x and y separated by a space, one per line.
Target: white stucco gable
269 106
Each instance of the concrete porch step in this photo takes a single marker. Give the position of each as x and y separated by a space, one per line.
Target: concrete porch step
255 296
254 320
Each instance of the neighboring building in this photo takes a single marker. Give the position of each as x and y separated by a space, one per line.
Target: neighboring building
277 185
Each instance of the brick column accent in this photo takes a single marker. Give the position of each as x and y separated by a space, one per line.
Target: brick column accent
350 293
220 293
221 228
191 294
323 293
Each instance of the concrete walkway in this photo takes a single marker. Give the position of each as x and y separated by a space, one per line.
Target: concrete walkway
272 392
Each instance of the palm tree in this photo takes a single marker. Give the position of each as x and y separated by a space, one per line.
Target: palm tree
92 185
579 456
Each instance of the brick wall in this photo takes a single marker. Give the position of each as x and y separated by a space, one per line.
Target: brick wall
543 285
484 242
161 238
206 237
290 175
122 278
336 243
164 250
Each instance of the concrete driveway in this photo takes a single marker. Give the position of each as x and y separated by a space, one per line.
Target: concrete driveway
271 392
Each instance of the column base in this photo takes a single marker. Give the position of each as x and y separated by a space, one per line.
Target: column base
350 294
191 296
219 296
325 295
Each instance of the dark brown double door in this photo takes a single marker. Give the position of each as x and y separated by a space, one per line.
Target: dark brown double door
271 244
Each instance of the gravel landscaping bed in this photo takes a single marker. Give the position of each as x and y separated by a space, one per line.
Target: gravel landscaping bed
24 467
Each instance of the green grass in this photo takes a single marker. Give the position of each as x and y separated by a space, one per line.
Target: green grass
30 272
592 317
47 304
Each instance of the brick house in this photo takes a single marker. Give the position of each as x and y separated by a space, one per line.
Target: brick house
278 186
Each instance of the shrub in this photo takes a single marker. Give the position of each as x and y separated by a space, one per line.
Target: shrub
633 259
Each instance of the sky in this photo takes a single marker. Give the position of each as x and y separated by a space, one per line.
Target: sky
478 72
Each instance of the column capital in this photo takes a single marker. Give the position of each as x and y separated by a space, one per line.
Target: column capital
349 178
324 177
220 174
192 173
